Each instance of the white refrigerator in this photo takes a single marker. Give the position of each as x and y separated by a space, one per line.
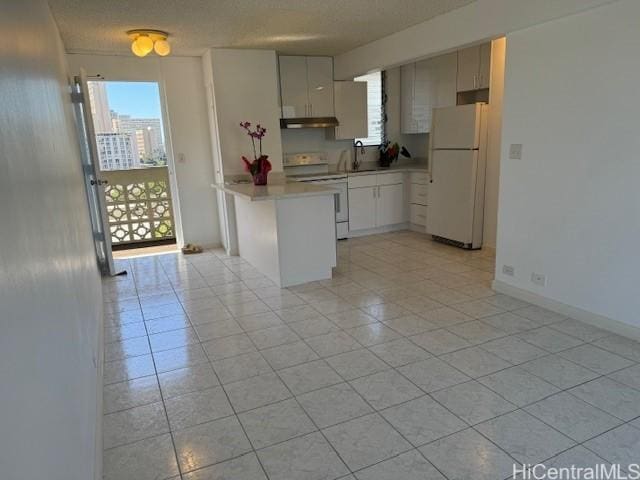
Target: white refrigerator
455 212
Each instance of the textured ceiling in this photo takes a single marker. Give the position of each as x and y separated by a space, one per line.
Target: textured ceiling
321 27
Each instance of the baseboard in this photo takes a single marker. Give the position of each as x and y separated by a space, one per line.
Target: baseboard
374 231
600 321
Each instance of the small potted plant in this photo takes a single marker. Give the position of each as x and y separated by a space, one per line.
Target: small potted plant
260 166
389 153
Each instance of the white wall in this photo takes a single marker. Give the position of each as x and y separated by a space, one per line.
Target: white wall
50 297
245 88
181 81
479 21
570 209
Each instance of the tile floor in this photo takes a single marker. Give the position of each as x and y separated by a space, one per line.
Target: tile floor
405 365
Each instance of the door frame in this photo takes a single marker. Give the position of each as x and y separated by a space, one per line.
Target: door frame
154 76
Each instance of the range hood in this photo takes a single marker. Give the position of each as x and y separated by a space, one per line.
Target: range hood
309 122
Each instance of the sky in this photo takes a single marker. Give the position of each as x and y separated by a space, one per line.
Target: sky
138 99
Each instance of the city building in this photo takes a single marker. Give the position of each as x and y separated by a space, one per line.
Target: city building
148 136
117 151
100 107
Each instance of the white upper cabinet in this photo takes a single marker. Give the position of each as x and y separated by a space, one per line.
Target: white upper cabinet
485 66
320 82
425 85
293 86
408 123
474 64
468 68
444 70
351 110
422 98
306 86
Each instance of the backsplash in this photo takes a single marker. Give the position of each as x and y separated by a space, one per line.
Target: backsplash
316 140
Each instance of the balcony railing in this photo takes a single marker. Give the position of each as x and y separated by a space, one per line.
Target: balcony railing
139 205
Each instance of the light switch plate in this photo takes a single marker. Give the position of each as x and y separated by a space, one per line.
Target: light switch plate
515 151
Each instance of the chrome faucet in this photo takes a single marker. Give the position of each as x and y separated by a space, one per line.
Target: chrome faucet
356 163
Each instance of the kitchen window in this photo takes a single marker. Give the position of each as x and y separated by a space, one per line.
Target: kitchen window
374 108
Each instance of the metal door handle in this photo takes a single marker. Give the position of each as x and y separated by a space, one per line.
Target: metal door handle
99 182
337 203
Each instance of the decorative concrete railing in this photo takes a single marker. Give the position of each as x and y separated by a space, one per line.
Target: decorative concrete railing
139 205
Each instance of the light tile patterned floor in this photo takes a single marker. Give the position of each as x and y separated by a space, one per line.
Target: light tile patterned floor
405 365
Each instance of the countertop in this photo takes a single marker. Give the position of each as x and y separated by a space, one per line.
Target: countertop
274 191
418 167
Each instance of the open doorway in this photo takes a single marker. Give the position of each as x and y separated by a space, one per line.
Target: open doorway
132 159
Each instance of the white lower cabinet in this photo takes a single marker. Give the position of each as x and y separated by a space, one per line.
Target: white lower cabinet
362 208
376 200
418 194
390 205
418 198
418 214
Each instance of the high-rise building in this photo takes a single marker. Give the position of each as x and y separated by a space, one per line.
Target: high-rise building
100 107
148 134
143 134
117 151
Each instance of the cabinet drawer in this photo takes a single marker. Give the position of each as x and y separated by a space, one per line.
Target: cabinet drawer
362 181
418 194
420 177
418 214
390 178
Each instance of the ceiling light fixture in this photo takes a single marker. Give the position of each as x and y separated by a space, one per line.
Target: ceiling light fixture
145 41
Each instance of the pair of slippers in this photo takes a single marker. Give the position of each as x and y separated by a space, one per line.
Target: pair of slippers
190 248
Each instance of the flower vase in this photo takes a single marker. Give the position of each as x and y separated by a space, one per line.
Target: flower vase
260 178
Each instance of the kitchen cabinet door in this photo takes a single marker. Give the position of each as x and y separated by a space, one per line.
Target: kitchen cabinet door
407 78
468 69
293 86
351 110
390 208
320 84
362 208
422 96
485 65
444 70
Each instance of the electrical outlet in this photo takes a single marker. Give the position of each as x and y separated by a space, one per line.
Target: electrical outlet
538 279
515 151
508 270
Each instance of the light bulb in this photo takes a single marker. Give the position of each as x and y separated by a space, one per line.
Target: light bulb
137 51
143 44
162 48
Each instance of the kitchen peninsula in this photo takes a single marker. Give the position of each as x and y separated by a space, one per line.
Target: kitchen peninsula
286 230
